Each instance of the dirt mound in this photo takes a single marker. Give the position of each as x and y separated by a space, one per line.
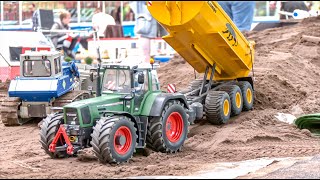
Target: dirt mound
287 78
177 71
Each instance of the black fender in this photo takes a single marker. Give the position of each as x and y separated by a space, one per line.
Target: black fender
123 113
249 79
161 100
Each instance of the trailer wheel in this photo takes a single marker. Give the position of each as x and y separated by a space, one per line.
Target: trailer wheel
236 99
168 132
48 131
217 107
114 139
247 95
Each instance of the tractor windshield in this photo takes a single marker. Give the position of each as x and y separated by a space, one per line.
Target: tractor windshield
117 80
36 68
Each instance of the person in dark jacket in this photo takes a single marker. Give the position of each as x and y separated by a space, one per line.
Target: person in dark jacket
63 40
128 14
63 24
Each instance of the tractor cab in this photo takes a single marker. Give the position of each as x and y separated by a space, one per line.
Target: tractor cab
126 79
40 64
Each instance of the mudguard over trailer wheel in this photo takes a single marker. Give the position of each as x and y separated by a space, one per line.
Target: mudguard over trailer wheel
247 94
114 139
168 132
236 99
48 131
217 107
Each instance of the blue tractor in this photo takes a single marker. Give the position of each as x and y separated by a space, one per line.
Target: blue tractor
43 87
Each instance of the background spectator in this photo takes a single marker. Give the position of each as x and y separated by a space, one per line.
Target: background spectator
63 40
100 21
61 24
146 28
240 12
128 14
35 17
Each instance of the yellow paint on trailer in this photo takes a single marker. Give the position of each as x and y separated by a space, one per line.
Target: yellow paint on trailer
203 34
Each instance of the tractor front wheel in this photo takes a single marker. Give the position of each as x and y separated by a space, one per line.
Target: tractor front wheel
48 131
168 132
114 139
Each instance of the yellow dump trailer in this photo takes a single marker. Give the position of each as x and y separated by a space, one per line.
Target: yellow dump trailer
204 35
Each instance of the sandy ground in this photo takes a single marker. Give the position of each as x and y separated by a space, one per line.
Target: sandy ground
287 80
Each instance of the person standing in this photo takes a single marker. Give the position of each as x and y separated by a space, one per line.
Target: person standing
115 13
35 17
240 12
146 28
100 21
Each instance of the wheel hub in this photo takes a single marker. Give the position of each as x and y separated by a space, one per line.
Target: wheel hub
238 100
249 95
169 126
120 140
226 107
174 127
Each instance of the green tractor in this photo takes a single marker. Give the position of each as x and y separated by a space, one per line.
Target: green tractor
129 112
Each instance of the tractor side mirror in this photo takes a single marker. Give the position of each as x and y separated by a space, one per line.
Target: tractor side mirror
141 78
91 77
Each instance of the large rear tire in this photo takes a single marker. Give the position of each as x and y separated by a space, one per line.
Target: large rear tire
168 132
217 107
236 99
247 95
114 139
48 131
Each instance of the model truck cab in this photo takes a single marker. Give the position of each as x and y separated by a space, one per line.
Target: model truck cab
44 64
42 77
42 81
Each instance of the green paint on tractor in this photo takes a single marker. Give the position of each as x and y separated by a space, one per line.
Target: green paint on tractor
128 108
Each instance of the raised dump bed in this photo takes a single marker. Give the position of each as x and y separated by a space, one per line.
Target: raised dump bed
203 34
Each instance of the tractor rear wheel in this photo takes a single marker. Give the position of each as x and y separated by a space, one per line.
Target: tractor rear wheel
217 107
48 131
247 95
168 132
114 139
236 99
